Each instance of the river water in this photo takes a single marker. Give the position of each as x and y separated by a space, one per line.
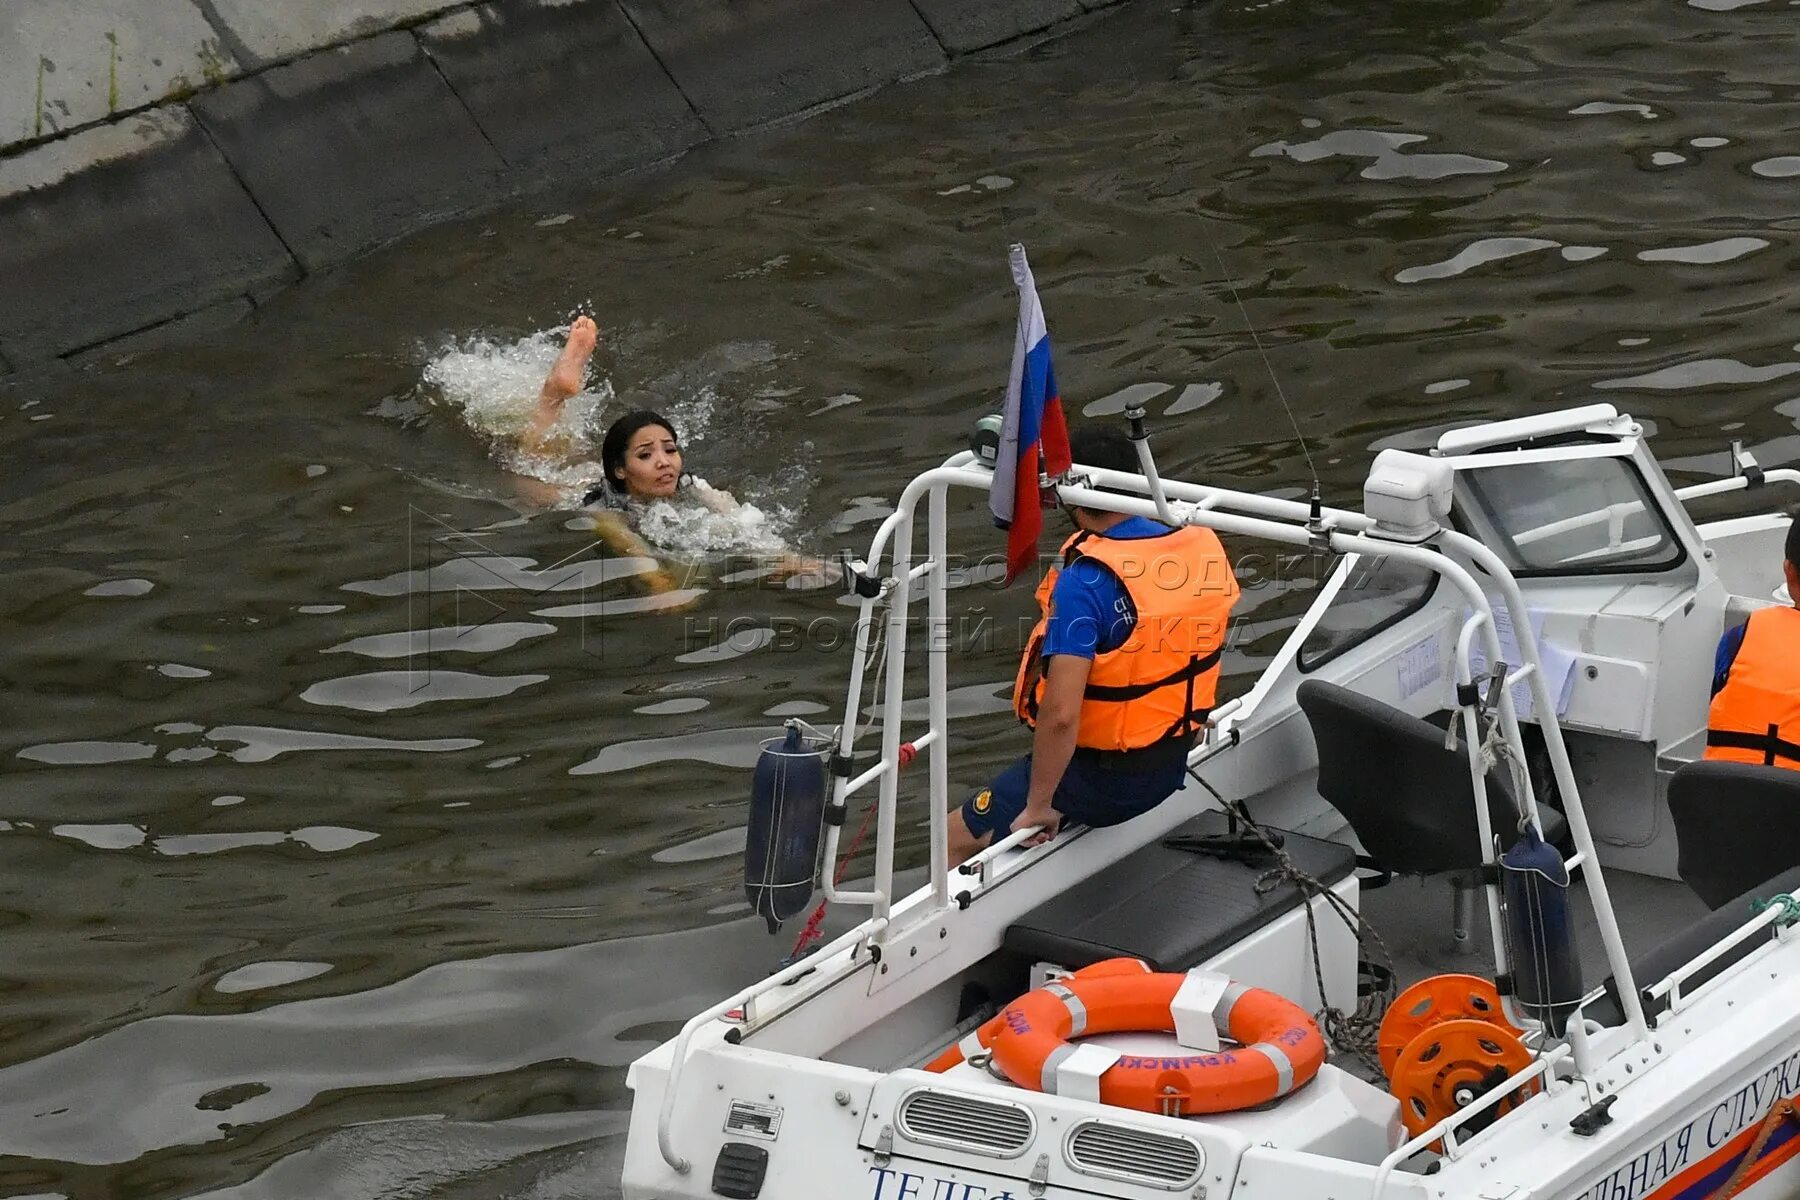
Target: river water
299 898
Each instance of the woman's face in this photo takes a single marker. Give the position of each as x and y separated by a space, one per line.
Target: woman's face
652 463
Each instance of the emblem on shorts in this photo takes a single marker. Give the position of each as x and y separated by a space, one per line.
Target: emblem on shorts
984 800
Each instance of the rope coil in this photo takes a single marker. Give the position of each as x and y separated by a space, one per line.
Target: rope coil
1355 1032
1787 903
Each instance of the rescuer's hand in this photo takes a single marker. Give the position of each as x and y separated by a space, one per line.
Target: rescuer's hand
1041 814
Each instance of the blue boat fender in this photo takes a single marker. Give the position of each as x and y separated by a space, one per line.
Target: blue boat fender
787 818
1540 931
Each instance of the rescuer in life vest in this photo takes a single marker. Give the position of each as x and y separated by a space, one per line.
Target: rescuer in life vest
1756 682
1118 675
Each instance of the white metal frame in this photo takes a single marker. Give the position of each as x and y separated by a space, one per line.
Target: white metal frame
1737 483
1673 985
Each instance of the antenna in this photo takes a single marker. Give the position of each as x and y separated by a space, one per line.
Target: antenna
1225 278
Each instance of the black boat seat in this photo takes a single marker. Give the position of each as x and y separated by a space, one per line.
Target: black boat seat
1409 800
1172 908
1651 967
1735 825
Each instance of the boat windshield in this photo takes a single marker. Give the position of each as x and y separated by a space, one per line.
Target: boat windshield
1568 517
1377 592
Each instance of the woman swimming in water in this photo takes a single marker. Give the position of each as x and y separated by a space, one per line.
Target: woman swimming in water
640 462
640 456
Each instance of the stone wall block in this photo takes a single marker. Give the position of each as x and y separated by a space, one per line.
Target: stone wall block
968 25
564 89
353 147
65 64
122 227
267 31
744 62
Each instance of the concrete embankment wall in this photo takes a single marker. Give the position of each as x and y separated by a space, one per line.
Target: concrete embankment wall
171 162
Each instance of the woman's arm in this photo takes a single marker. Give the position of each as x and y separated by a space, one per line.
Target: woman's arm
803 572
537 493
617 535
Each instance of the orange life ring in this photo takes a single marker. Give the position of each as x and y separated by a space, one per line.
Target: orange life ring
1280 1047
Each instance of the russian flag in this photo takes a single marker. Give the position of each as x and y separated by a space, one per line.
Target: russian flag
1034 438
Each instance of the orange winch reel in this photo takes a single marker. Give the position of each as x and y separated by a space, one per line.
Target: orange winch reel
1450 1065
1431 1002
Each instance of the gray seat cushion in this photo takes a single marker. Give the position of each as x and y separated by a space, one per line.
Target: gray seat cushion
1172 908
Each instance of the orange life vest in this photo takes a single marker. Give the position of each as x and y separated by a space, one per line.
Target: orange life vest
1756 715
1161 683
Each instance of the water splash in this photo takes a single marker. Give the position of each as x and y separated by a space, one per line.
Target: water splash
492 385
689 526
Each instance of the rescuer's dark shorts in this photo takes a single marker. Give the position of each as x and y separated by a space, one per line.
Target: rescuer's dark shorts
1094 791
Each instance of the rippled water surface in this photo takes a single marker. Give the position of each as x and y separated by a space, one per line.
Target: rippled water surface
360 822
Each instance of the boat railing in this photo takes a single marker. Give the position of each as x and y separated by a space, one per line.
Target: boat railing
885 599
1670 986
1737 483
1673 985
1617 514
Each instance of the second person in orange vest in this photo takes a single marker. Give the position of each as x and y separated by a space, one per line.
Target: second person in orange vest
1755 716
1118 676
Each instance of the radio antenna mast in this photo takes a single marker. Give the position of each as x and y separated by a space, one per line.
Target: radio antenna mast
1256 340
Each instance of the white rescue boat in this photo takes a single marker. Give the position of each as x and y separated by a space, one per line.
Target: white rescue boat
1512 654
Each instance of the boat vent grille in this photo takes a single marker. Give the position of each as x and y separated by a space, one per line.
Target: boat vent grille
960 1122
1135 1155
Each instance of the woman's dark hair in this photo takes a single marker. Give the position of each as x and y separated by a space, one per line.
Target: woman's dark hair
618 440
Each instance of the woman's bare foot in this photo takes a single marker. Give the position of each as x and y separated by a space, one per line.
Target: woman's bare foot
570 372
565 380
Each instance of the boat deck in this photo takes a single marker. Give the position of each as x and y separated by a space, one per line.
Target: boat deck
1413 917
